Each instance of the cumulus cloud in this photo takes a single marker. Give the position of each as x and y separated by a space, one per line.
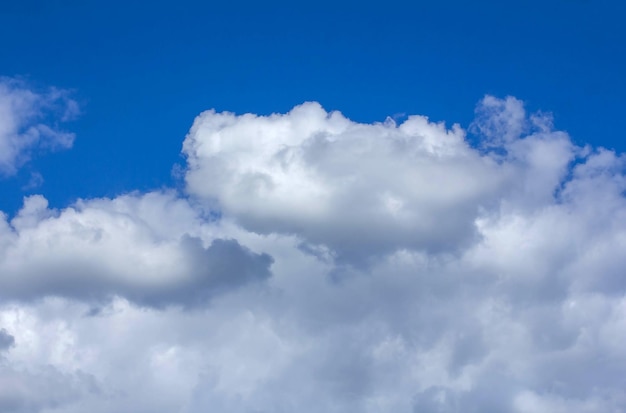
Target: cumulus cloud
29 121
410 272
358 189
144 247
369 189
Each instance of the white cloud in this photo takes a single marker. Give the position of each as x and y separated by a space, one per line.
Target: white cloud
367 189
410 272
25 123
144 247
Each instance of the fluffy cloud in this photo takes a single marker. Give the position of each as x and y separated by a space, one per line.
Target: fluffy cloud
410 272
144 247
370 189
29 121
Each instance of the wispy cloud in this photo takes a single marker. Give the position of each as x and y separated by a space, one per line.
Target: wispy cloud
30 121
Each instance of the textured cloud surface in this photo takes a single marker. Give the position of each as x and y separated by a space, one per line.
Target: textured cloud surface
317 264
29 120
146 248
369 189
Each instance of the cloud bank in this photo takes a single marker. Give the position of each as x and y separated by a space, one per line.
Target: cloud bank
320 264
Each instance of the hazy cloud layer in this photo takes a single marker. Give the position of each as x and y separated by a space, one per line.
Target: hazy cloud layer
29 121
410 272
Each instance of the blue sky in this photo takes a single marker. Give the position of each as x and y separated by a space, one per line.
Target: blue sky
269 207
142 73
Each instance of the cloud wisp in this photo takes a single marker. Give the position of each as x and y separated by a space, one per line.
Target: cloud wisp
29 121
320 264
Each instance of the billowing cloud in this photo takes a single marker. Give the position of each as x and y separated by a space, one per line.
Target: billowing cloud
29 121
410 272
369 189
144 247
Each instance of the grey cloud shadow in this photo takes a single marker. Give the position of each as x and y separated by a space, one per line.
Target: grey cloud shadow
223 266
6 340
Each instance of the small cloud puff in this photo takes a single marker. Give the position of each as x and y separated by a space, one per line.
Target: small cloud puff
29 120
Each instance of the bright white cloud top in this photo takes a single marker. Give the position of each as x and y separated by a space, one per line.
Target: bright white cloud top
317 264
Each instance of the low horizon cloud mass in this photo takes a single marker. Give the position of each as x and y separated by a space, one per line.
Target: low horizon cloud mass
317 264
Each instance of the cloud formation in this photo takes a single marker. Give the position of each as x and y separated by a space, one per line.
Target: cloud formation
143 247
29 121
370 189
410 272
